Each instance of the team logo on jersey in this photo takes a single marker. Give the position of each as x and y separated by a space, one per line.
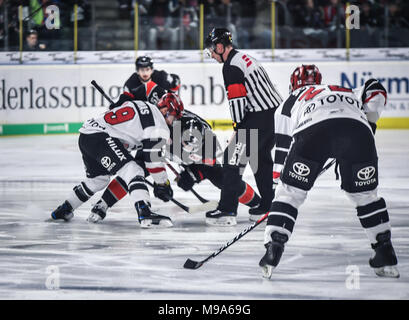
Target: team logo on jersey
106 162
115 148
301 169
366 173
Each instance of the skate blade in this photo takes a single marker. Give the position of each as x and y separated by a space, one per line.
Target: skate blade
161 224
94 218
223 221
256 217
267 271
67 218
387 272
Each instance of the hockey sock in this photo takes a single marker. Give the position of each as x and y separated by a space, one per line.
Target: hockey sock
374 218
138 189
281 218
115 191
248 196
80 194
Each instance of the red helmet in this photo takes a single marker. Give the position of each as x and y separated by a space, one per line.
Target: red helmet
305 75
173 103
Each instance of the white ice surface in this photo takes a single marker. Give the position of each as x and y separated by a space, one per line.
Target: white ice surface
118 260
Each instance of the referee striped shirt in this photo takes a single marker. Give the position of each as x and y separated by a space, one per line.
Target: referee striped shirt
249 89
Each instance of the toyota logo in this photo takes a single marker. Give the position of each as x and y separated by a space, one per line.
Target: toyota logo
301 169
366 173
106 162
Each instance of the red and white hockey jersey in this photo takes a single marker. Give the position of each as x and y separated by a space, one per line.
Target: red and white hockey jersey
137 124
312 104
131 123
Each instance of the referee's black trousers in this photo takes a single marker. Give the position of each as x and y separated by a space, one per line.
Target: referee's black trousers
240 151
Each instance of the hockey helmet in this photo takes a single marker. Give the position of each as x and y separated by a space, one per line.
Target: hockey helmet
143 62
192 135
305 75
217 35
173 103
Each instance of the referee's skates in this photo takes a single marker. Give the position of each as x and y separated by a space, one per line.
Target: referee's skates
384 260
149 219
274 251
63 212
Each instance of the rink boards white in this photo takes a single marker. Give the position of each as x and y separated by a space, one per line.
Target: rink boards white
58 98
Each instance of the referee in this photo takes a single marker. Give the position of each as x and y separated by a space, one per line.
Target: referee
252 101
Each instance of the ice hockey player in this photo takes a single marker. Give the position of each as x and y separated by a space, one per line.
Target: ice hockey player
145 73
328 121
189 135
200 162
252 101
148 91
101 142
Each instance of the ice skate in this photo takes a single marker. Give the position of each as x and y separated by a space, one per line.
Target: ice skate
384 260
149 219
98 212
221 218
274 251
256 213
64 212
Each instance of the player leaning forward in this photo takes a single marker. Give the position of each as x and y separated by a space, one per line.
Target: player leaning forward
252 101
328 121
137 124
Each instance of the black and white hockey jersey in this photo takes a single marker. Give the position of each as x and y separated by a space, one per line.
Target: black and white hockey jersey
312 104
193 141
167 81
248 86
149 91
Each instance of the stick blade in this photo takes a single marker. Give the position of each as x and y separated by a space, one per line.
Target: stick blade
190 264
208 206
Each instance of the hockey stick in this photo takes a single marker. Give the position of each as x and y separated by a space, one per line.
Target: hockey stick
101 91
211 205
202 200
191 264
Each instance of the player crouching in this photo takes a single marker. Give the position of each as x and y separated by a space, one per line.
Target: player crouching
328 121
101 142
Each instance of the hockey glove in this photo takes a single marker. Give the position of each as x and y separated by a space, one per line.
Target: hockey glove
175 85
126 96
186 181
163 191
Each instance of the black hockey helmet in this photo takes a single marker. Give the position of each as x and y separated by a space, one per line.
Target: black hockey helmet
218 35
143 62
192 134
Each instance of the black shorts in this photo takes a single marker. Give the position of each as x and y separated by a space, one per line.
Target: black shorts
347 140
102 154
